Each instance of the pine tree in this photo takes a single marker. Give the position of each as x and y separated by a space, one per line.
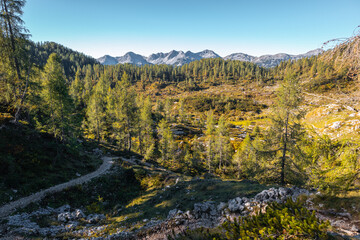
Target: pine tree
210 131
95 124
245 159
182 114
146 131
335 164
13 40
166 141
125 111
57 101
223 145
286 129
167 109
13 29
95 117
76 89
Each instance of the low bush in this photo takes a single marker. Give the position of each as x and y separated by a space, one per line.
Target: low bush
280 221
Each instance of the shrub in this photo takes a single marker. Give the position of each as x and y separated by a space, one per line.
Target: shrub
280 221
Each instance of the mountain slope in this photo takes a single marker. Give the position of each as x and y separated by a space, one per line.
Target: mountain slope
132 58
179 58
271 60
108 60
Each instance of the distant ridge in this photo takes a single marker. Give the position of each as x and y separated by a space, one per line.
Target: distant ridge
179 58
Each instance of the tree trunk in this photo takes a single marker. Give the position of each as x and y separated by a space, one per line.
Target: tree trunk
129 134
209 155
129 141
283 158
220 152
140 142
17 114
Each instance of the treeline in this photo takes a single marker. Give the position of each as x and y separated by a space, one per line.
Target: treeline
189 76
322 74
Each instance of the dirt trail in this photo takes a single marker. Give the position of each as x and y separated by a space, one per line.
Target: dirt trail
7 209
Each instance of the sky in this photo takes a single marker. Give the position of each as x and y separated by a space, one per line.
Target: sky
255 27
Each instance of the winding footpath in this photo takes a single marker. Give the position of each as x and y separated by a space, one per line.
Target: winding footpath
23 202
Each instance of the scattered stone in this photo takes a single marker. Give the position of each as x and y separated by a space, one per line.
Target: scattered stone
205 210
64 208
336 125
236 205
77 214
64 217
221 206
94 218
172 213
350 108
68 216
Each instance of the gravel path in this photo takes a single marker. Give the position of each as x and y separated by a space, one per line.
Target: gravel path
23 202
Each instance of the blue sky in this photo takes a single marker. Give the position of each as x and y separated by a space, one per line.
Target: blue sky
256 27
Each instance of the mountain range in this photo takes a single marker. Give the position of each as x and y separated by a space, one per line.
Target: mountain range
179 58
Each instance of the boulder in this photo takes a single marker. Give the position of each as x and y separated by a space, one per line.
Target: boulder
222 206
236 205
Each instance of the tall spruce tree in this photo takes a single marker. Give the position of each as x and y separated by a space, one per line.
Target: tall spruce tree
286 130
210 132
125 111
95 124
182 113
13 36
146 130
95 117
13 30
222 143
245 159
57 101
76 89
166 140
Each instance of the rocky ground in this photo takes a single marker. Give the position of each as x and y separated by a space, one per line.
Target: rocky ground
73 223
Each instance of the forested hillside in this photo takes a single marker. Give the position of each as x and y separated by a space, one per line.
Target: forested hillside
210 118
71 60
